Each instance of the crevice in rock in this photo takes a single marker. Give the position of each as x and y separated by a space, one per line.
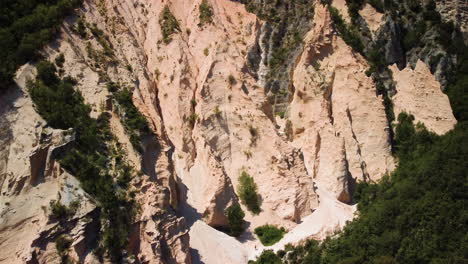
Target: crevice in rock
365 174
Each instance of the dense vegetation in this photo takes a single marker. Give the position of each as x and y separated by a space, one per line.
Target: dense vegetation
25 27
417 214
269 234
206 13
91 156
349 33
235 216
134 122
169 25
247 191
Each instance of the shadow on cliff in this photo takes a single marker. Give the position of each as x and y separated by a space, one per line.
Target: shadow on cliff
191 216
8 97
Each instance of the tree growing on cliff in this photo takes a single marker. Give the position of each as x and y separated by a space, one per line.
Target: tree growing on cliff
235 216
169 24
206 13
247 190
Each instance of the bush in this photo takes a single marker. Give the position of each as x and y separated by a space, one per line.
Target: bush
59 211
232 80
59 60
169 24
267 257
206 13
62 244
56 100
269 234
134 122
247 190
25 27
349 33
235 216
378 5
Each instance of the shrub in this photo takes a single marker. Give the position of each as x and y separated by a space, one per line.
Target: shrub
206 13
217 112
81 28
62 244
267 257
247 190
59 60
377 4
269 234
56 100
193 118
58 211
134 122
169 24
253 135
348 32
232 80
235 216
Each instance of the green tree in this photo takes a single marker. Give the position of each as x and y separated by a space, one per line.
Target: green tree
269 234
247 190
235 216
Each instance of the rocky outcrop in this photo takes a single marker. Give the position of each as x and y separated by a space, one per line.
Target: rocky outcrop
222 98
420 94
338 121
372 17
455 11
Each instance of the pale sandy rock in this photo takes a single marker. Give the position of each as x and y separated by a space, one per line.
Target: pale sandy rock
343 9
215 247
338 121
209 130
210 156
420 94
372 17
455 11
330 217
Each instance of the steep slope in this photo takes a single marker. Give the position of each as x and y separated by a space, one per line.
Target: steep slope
205 86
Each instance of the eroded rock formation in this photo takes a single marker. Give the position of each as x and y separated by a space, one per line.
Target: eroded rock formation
213 118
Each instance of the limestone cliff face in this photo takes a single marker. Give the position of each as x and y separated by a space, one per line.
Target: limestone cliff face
213 118
419 93
336 116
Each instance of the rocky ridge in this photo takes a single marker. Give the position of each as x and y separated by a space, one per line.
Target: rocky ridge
212 119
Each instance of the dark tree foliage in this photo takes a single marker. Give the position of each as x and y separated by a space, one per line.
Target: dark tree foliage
25 27
235 216
418 213
134 122
169 25
63 107
269 234
247 190
206 13
348 32
267 257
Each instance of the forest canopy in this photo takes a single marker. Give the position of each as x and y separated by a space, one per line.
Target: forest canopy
25 27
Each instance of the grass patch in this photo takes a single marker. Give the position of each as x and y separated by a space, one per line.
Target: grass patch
269 234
